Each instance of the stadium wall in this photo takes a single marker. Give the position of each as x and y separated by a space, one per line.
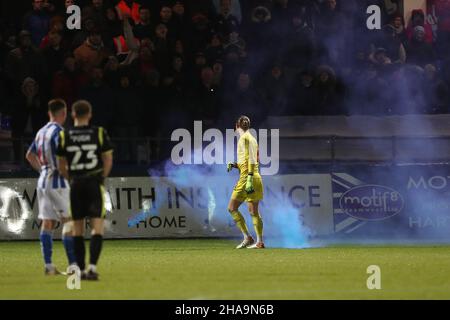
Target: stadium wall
406 138
364 203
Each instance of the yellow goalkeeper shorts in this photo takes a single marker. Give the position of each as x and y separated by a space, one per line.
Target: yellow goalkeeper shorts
241 195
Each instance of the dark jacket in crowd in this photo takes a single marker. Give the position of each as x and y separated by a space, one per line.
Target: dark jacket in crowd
419 53
102 100
23 63
37 23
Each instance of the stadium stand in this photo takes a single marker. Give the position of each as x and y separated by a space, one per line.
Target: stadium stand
151 66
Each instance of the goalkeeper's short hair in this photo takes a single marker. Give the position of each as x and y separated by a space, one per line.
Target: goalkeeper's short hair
243 122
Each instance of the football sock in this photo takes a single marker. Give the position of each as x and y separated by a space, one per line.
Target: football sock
258 225
69 246
80 251
240 222
95 248
46 246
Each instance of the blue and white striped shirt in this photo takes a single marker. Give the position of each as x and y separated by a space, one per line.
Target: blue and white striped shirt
44 146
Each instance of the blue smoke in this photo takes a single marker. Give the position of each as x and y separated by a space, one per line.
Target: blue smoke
283 221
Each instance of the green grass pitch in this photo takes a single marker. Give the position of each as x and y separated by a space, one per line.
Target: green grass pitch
213 269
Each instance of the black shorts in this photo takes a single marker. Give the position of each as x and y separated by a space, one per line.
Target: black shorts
87 198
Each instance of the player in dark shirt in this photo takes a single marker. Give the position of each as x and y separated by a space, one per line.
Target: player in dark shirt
85 159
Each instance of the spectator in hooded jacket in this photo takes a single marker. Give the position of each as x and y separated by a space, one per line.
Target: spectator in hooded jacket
259 29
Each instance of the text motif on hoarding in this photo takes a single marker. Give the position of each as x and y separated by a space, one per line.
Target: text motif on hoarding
371 202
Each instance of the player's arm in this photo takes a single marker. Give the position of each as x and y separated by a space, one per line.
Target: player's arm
107 163
33 159
107 151
63 166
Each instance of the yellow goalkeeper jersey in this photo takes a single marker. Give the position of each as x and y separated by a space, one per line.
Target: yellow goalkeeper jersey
248 158
248 154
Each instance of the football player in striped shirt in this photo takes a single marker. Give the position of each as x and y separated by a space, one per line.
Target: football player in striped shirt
52 189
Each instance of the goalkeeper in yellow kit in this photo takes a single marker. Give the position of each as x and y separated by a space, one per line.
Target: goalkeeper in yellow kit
249 188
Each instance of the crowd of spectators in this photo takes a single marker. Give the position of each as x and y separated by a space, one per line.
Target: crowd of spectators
150 66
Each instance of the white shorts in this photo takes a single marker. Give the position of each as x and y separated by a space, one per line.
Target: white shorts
54 204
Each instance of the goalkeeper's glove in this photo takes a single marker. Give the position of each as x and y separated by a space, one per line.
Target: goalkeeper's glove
249 185
230 166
